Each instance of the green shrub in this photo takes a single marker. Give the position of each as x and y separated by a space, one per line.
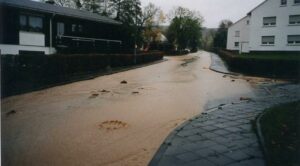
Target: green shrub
269 65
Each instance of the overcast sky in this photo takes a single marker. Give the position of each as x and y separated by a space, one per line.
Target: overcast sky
213 11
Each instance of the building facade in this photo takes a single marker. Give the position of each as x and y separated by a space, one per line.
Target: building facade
28 27
274 25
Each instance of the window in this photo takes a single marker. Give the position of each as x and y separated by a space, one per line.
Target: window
294 20
248 22
35 23
77 28
294 39
60 28
73 27
297 2
237 33
236 44
23 22
268 40
31 23
283 3
80 28
269 21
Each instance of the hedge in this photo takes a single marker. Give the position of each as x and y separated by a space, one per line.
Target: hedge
268 67
23 73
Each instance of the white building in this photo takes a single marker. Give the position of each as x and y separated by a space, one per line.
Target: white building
274 25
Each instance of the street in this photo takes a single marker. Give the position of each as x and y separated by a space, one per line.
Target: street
105 122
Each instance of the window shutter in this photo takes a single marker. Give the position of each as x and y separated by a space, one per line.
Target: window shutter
268 39
295 19
293 38
269 20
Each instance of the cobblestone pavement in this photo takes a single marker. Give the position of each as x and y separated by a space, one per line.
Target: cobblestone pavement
223 135
218 65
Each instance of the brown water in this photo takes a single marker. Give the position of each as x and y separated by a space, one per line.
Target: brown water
103 122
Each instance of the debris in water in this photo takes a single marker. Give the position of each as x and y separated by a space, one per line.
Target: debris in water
135 92
232 80
123 82
113 125
105 91
11 112
94 95
245 98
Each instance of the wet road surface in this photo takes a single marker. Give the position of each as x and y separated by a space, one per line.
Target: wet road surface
104 122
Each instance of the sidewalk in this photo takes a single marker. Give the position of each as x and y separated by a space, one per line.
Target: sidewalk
223 135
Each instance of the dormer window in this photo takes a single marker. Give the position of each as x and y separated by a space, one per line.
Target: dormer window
269 21
283 2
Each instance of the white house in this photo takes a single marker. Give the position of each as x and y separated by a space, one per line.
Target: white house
274 25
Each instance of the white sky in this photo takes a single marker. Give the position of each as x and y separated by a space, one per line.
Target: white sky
213 11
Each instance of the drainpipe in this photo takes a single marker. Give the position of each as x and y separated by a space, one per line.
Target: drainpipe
50 33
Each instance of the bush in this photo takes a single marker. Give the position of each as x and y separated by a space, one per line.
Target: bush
267 65
22 73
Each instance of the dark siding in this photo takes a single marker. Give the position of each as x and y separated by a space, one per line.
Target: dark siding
1 23
11 25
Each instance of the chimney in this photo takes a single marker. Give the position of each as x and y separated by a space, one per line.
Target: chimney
50 2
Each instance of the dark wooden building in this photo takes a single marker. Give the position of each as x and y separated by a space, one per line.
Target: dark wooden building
34 27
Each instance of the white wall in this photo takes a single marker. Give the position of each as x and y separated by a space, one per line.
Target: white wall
14 49
280 31
243 39
31 38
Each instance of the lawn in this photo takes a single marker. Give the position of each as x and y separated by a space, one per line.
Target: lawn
281 130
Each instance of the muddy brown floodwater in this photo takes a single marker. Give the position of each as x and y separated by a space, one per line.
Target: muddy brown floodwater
105 122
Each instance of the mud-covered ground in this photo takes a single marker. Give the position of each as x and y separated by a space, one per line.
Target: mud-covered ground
119 119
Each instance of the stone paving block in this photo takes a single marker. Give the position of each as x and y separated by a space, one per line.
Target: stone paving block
201 162
253 162
185 133
237 155
233 129
253 152
168 160
209 128
177 141
206 152
194 146
187 157
195 138
220 148
173 150
222 140
209 135
234 136
220 160
221 132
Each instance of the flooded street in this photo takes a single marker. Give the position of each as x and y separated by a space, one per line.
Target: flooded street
105 122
